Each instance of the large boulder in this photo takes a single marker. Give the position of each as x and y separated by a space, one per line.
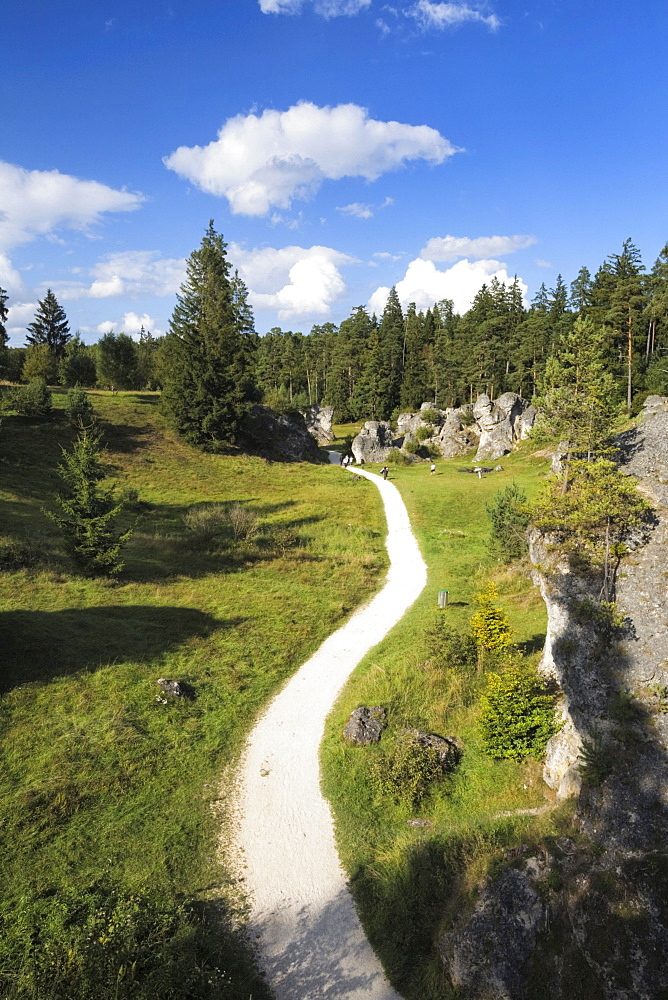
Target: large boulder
454 438
319 423
499 423
374 441
282 437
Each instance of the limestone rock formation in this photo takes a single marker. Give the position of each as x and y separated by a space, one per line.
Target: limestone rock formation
365 726
500 424
319 423
374 441
454 438
278 436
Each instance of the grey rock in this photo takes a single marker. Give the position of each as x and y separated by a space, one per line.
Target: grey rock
318 421
454 438
176 689
365 726
279 436
485 954
448 750
499 423
374 441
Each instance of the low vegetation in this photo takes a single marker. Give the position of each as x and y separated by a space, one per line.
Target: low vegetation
110 797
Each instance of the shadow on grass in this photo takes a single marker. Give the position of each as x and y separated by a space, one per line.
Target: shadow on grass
533 645
41 645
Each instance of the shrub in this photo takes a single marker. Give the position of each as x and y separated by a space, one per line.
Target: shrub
31 400
431 416
396 456
206 524
449 647
243 522
489 625
16 554
411 446
517 715
509 514
407 768
422 433
79 408
466 417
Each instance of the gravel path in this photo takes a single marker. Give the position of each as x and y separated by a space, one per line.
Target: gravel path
311 945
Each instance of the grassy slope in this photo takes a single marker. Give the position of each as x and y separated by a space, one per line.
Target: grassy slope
101 784
408 882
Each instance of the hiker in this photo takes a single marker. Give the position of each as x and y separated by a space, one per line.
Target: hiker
361 461
344 461
432 468
384 472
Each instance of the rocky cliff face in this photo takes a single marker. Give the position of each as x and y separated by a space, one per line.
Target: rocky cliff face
282 437
587 916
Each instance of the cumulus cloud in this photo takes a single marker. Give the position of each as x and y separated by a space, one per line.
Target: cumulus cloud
442 248
424 284
295 281
37 202
131 273
261 161
131 324
326 8
450 15
357 210
19 315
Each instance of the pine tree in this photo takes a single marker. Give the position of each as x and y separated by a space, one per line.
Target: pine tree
391 333
50 325
208 351
581 291
4 336
627 302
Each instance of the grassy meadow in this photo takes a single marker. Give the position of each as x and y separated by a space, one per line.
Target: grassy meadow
410 879
109 794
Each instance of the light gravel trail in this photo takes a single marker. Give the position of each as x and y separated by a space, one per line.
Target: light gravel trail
311 945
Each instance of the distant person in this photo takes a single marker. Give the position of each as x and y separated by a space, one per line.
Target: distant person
361 461
384 472
432 468
344 461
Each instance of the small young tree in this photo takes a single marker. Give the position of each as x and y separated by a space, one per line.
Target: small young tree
489 625
31 400
40 363
517 715
77 365
509 513
79 408
116 361
89 514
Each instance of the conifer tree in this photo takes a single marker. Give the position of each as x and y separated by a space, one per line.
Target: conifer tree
391 333
4 336
208 350
50 325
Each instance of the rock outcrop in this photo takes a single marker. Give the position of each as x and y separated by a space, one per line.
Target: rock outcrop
365 726
319 423
500 424
374 441
282 437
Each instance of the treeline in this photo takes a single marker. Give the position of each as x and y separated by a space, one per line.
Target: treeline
372 367
368 366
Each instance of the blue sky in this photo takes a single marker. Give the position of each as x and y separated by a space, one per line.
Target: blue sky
341 147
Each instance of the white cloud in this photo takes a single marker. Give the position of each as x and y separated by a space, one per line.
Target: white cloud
269 160
131 324
543 263
424 284
357 210
326 8
132 273
441 248
36 202
449 15
19 315
10 279
294 281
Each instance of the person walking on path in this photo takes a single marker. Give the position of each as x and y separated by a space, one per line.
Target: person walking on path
384 472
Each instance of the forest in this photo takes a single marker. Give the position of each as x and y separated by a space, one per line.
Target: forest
373 367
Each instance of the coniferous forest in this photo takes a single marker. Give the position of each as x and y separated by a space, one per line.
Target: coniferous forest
369 367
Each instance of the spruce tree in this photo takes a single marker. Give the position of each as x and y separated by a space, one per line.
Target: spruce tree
4 336
50 325
208 351
391 333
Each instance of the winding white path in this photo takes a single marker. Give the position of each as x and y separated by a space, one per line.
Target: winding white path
311 945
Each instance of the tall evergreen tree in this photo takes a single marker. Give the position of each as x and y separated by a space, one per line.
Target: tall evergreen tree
627 302
4 336
581 291
391 334
50 325
208 351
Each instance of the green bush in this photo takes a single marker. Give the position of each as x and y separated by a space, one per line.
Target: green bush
509 514
407 769
79 408
411 446
450 648
431 416
16 554
422 433
31 400
517 715
467 418
396 456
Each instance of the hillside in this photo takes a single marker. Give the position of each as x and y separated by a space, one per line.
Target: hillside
107 789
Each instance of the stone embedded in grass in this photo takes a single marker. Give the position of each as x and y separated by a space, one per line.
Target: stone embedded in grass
178 689
448 751
365 726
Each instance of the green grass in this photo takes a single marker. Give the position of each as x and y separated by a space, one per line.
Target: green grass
110 804
409 883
